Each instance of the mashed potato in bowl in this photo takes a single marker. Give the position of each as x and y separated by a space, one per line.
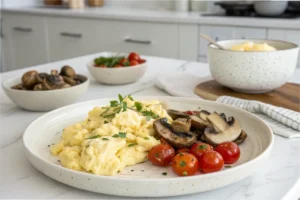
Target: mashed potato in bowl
251 46
111 138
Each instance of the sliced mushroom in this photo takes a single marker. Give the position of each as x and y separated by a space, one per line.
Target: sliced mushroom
223 116
18 87
221 130
68 71
52 82
242 137
181 124
80 78
65 85
203 114
54 72
176 139
40 77
69 80
199 123
29 79
39 87
174 114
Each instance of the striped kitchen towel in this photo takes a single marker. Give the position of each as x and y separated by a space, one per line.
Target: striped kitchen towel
282 121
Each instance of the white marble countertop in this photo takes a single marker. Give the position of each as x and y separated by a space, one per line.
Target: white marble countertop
277 178
107 12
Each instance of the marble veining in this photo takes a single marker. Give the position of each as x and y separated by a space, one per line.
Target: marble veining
18 179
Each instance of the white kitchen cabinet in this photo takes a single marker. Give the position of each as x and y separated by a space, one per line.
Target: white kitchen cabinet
188 42
69 38
215 32
287 35
24 41
157 39
249 33
228 32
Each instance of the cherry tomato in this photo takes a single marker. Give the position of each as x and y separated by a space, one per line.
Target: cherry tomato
185 164
141 61
211 161
199 148
230 152
122 61
134 56
134 62
118 66
161 154
183 150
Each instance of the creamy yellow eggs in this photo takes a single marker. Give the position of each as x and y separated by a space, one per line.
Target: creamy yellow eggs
110 139
251 46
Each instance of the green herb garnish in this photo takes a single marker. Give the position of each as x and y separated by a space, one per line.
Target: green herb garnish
202 147
114 103
122 135
146 138
149 114
164 173
131 145
110 62
106 110
130 97
126 64
119 106
94 137
138 106
109 115
124 106
105 122
227 166
105 139
184 173
182 163
120 98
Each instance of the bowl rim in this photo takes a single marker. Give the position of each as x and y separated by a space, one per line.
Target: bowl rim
90 64
296 46
4 86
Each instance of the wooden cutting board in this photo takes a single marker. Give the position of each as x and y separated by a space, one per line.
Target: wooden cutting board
287 96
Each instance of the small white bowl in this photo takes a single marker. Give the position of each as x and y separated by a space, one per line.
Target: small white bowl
270 8
117 76
253 72
43 100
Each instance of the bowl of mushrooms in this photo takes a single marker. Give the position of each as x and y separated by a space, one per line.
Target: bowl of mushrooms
43 92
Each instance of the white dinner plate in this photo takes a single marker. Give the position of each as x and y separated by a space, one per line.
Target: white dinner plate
145 180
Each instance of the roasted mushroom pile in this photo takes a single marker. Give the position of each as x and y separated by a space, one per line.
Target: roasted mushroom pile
33 80
190 127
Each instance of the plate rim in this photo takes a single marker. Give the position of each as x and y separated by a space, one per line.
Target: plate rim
126 179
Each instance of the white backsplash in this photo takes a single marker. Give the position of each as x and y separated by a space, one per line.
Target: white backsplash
144 4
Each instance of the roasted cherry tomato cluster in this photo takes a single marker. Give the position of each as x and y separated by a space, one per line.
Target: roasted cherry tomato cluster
200 157
132 59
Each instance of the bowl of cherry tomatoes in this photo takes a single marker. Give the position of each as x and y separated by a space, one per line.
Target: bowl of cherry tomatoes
199 158
117 69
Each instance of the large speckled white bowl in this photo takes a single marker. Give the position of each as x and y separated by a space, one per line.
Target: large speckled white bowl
253 72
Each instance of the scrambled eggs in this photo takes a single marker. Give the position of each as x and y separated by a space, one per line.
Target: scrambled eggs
251 46
109 140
